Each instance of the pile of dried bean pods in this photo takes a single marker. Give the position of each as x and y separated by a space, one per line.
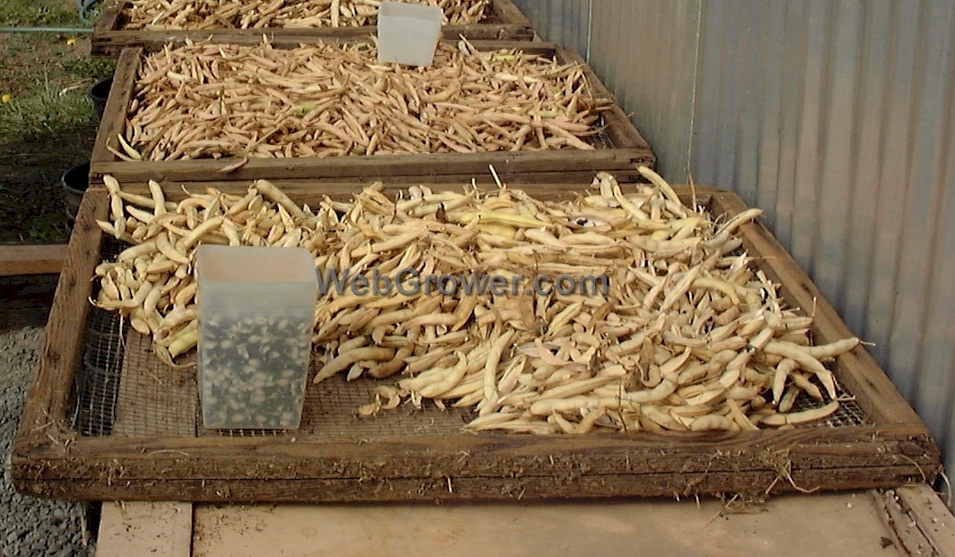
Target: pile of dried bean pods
243 14
687 335
212 101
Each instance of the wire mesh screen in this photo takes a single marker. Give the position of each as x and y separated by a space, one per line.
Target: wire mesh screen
124 389
599 139
96 382
330 411
848 414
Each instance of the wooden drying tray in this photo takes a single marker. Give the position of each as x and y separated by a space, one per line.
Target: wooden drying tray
628 148
505 22
892 446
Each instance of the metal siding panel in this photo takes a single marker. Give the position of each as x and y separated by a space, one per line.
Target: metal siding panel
837 119
869 144
894 161
839 116
919 213
646 53
565 22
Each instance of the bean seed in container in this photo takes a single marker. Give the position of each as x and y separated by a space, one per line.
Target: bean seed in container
251 371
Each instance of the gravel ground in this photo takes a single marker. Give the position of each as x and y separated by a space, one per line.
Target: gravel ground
28 526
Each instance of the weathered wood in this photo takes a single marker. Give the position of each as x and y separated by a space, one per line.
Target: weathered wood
45 409
48 460
514 167
466 455
145 529
628 150
918 520
31 260
523 488
506 22
113 122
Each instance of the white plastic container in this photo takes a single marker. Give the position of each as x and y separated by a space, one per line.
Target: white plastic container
408 33
256 311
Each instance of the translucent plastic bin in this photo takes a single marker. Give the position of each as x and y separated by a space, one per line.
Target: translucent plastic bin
256 311
408 33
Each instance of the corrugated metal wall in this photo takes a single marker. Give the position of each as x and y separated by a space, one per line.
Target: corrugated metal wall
646 53
565 22
835 117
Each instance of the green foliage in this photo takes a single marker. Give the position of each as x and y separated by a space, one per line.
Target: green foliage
39 13
47 111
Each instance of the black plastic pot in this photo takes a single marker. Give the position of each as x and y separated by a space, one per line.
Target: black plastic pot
75 181
99 92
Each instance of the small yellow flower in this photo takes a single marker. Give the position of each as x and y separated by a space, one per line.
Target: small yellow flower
5 98
71 41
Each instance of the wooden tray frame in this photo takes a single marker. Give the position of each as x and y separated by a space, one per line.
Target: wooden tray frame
50 460
110 37
566 165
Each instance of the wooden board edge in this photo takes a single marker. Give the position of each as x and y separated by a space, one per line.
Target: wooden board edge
475 489
875 392
932 517
624 133
43 422
468 455
145 529
32 260
109 19
431 167
917 520
509 13
114 114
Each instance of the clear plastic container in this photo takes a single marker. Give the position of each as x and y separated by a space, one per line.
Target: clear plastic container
408 33
256 311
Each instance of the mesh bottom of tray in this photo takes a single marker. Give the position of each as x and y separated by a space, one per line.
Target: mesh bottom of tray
123 389
600 139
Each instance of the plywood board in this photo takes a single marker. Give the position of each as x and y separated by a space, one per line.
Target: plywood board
145 529
793 526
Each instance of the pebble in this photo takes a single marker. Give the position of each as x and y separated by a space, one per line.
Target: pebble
33 527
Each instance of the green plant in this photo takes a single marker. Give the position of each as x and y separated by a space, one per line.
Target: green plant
49 111
39 13
85 67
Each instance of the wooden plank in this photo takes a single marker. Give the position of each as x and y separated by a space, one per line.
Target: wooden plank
478 456
508 12
113 122
109 19
523 166
31 260
792 526
513 487
918 520
45 409
309 466
145 529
